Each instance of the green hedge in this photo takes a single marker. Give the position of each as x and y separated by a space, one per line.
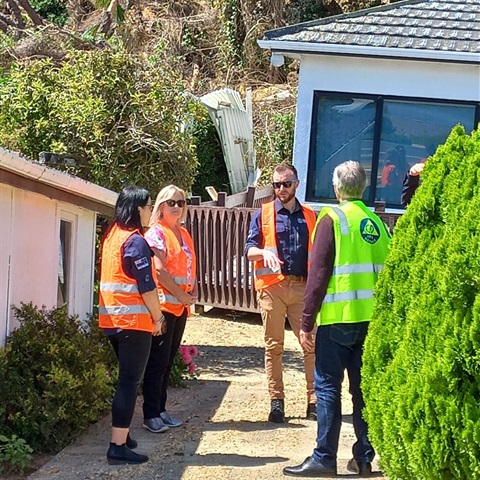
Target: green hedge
123 117
421 375
56 378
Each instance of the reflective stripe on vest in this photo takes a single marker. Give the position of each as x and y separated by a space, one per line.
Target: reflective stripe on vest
348 296
359 268
168 299
123 310
265 276
343 220
118 287
181 280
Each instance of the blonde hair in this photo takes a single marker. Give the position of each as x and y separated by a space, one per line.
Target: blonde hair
167 193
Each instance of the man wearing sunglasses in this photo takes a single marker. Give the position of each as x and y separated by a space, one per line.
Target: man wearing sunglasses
279 244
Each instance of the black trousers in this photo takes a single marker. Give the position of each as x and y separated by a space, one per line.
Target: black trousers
162 352
132 348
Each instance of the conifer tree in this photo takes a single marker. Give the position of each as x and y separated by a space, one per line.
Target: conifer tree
421 374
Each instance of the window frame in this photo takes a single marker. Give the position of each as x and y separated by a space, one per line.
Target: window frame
377 131
72 220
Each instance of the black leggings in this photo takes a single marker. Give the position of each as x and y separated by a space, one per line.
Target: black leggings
160 361
132 348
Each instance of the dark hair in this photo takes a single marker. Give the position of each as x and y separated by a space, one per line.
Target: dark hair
127 215
283 167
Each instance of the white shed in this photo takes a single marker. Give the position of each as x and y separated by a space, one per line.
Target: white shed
47 241
381 85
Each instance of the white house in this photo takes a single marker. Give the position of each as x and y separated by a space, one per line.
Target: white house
47 241
383 83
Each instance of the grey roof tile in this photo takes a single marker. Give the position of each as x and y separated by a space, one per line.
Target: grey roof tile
445 25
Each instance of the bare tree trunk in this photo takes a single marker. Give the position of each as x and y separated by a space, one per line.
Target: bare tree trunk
17 13
3 26
108 19
35 17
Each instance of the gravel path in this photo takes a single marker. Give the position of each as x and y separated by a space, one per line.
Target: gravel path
225 434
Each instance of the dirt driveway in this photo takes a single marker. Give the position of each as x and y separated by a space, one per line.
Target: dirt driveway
225 435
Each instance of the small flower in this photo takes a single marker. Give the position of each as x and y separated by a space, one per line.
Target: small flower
186 357
193 350
191 367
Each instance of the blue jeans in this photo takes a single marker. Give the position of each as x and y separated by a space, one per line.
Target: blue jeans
339 347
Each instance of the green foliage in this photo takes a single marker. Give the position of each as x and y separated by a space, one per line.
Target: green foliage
121 116
15 454
298 11
232 30
52 10
211 165
274 144
54 376
421 375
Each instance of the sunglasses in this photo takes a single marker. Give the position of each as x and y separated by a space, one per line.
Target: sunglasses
172 203
287 184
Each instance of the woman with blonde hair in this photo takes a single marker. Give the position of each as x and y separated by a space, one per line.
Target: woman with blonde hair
175 265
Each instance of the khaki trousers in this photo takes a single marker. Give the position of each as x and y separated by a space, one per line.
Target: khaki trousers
284 299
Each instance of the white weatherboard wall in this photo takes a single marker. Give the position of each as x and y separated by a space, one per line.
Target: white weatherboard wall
29 253
401 78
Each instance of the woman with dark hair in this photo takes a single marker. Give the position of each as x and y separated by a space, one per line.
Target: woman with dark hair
129 312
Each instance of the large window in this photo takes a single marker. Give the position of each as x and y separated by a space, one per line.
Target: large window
386 135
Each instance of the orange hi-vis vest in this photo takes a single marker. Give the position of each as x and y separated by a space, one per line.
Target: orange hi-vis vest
176 266
120 303
265 276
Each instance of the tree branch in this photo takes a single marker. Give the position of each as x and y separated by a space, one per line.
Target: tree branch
3 26
34 16
17 13
108 18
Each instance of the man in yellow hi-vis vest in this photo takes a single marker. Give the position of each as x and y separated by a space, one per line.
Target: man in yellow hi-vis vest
349 250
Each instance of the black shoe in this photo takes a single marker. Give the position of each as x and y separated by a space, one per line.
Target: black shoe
277 411
131 443
359 467
311 411
121 455
310 468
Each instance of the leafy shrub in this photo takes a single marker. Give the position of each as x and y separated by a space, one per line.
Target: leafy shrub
120 116
421 375
53 10
298 11
15 454
183 366
274 144
211 165
54 378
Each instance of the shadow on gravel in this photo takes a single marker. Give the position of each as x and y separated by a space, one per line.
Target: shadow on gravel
233 460
228 361
249 426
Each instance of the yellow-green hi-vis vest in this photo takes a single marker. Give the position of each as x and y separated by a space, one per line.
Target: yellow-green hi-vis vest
361 246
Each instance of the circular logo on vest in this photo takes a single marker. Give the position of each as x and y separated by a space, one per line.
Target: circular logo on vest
369 231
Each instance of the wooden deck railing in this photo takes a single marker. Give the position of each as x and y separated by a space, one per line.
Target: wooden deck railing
219 234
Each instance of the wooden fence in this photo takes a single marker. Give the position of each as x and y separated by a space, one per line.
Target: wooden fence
219 232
